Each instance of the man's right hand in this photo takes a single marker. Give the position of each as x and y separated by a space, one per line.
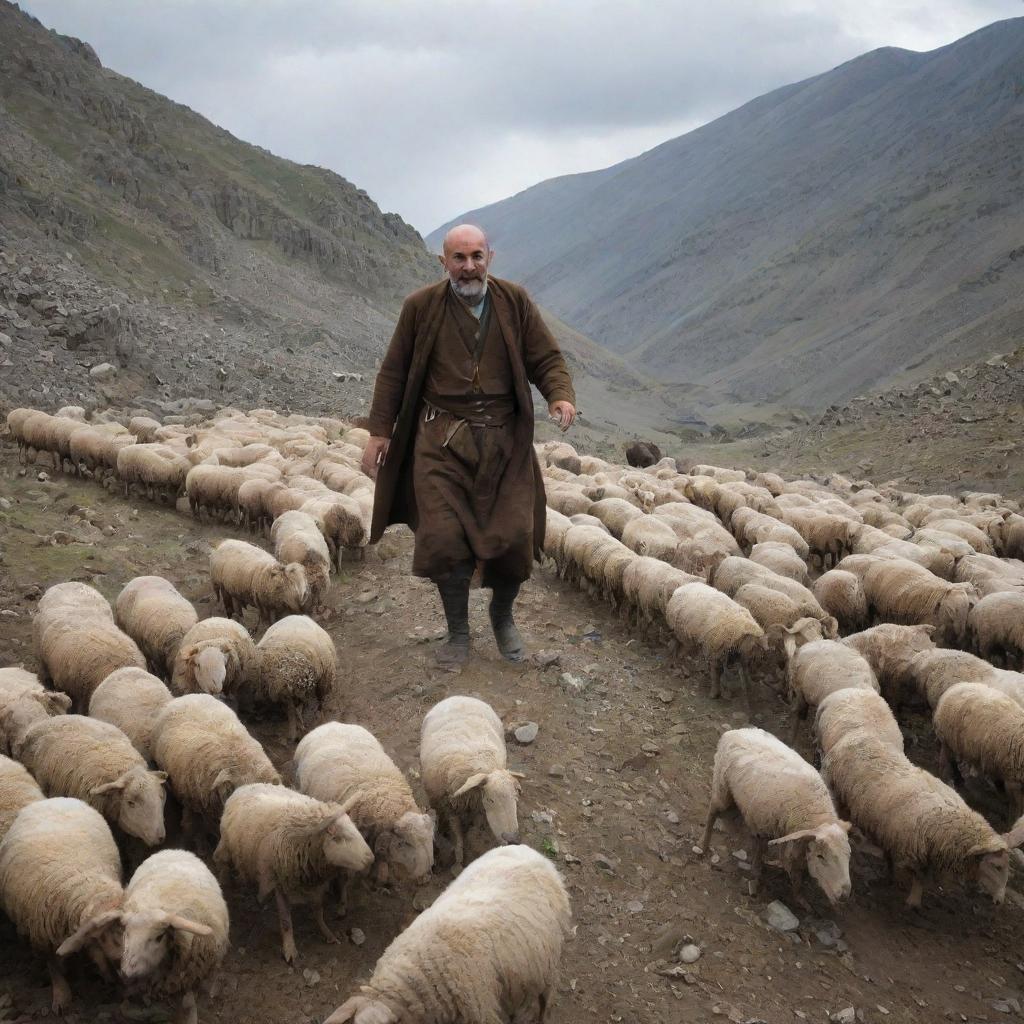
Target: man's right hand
374 455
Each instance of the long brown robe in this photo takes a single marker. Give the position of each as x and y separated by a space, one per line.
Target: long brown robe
442 504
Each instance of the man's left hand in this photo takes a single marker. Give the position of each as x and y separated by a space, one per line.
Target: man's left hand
564 413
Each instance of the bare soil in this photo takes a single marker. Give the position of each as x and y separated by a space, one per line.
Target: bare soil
616 790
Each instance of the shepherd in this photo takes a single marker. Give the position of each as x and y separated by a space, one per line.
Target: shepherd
451 436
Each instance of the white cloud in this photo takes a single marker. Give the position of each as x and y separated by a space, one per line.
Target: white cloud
435 108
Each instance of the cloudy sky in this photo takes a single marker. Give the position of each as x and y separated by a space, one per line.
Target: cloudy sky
439 106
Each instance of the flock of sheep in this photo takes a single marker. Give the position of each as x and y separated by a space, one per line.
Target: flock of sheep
853 601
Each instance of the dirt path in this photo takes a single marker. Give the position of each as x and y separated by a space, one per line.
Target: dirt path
615 793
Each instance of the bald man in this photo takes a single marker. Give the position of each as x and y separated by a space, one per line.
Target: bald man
451 436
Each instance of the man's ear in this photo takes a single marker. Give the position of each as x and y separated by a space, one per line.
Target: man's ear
440 258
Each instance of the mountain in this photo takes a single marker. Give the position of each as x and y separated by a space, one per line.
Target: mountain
135 233
855 230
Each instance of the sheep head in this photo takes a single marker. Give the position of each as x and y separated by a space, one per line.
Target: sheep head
102 930
150 937
344 846
295 576
408 848
363 1010
827 849
992 861
207 667
138 797
499 794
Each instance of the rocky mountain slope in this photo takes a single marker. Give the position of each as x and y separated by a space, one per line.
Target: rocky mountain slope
147 256
859 229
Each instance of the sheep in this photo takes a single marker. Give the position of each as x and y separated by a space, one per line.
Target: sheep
828 536
977 538
990 574
144 428
17 790
841 595
463 767
555 530
341 521
996 625
216 655
487 949
297 662
751 527
215 489
980 726
60 884
156 468
854 708
76 756
919 821
130 699
253 502
703 543
647 585
704 619
901 591
297 538
207 753
16 683
652 537
175 928
152 612
889 649
816 669
736 571
77 642
96 448
783 802
933 672
245 575
781 559
338 761
289 844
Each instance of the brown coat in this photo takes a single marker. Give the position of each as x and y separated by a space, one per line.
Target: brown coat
534 356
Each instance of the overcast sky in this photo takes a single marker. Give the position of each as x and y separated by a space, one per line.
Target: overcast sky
439 106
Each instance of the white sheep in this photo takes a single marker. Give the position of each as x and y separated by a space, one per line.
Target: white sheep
207 754
648 584
463 766
487 949
854 708
292 845
920 823
782 559
889 649
152 612
17 790
996 626
245 575
175 928
783 802
346 764
297 538
60 884
76 756
130 699
16 683
297 663
841 595
216 655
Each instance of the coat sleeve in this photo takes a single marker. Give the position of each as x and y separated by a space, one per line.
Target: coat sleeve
392 375
545 364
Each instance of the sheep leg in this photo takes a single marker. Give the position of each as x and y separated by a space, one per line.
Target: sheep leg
293 721
1015 800
457 838
97 957
757 863
748 688
543 1002
949 768
318 916
187 1013
916 892
715 670
345 888
284 917
61 990
799 714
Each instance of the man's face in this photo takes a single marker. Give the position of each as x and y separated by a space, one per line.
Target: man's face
466 258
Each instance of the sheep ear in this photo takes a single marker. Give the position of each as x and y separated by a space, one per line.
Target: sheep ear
984 849
223 784
845 825
471 783
86 931
1016 835
518 775
804 833
108 787
159 776
183 924
346 1011
351 802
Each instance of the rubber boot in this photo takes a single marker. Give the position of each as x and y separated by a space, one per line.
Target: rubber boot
454 591
510 643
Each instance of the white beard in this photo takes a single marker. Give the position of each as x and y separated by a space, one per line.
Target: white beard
471 292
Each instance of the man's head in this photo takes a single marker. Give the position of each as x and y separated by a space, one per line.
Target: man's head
466 257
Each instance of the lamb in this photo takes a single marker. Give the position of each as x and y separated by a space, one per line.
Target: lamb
889 650
841 595
175 928
920 823
982 727
463 766
76 756
706 620
289 844
996 625
783 802
152 612
17 790
345 764
60 883
246 575
297 663
297 538
216 655
781 559
130 699
487 949
901 591
77 643
820 668
854 708
207 753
